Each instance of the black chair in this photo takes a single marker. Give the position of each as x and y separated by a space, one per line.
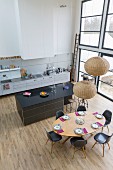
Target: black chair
59 114
78 142
81 108
53 137
103 139
108 115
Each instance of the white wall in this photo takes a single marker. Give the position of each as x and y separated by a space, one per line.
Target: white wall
8 41
77 13
39 65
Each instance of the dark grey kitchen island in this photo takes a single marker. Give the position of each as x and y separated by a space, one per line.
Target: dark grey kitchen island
35 108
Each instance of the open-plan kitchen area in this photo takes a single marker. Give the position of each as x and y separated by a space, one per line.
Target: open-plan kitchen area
56 84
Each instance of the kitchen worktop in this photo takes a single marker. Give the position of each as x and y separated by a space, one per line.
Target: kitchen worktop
34 77
23 79
31 82
28 78
35 98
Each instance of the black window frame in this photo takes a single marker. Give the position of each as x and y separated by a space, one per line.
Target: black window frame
84 63
98 79
107 14
99 50
91 31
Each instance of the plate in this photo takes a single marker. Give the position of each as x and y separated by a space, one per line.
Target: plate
94 125
78 131
81 113
57 127
44 94
99 116
79 121
65 117
27 94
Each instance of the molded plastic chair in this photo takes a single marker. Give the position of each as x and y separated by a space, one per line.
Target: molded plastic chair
78 142
59 114
53 137
81 108
108 115
103 139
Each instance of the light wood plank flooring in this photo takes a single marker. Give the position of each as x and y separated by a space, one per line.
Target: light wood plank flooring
23 147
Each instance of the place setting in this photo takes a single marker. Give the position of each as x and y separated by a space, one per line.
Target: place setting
96 125
64 117
80 131
58 128
80 113
98 115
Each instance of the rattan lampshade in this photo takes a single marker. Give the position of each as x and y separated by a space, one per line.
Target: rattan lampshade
84 89
96 66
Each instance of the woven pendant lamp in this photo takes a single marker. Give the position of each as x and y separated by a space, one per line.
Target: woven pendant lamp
84 89
97 66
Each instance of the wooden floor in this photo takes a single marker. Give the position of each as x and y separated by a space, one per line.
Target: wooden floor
23 148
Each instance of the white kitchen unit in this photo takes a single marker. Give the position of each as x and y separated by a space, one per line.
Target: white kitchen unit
9 43
48 80
62 77
34 83
63 31
7 91
19 86
36 28
0 89
7 74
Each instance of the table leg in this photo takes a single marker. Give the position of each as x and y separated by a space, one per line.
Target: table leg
66 139
91 134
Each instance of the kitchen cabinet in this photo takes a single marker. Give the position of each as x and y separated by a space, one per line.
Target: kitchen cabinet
7 91
5 75
62 78
19 86
63 31
48 80
9 42
33 84
0 90
36 28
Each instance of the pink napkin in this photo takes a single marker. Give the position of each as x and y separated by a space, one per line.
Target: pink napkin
76 113
99 124
84 130
95 113
61 119
60 131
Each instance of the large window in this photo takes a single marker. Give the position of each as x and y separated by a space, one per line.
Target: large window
108 41
106 81
96 34
91 22
85 55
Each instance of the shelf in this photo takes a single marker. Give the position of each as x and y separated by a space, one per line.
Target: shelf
11 69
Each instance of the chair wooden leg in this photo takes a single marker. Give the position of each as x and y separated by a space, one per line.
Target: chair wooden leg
66 108
74 152
66 140
108 145
108 128
102 129
47 141
103 150
94 144
83 149
52 146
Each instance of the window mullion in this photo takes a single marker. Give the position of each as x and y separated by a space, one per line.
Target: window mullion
103 24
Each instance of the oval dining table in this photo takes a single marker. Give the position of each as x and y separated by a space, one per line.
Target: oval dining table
68 126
